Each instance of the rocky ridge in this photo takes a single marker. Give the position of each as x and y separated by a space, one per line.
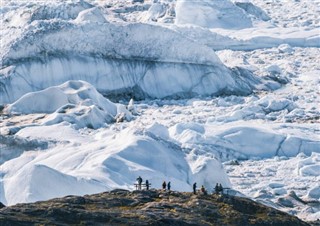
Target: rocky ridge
153 207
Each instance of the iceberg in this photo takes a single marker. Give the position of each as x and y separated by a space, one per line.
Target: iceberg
212 14
116 58
76 102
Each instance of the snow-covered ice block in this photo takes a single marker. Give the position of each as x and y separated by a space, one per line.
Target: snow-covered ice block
39 182
285 48
263 194
314 192
279 191
92 15
207 171
187 132
211 14
116 59
77 102
310 166
251 141
275 69
158 130
276 185
253 10
310 170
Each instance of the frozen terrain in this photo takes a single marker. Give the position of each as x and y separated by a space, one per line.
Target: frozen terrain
216 98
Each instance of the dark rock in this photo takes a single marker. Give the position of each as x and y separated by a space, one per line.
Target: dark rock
120 191
121 207
75 200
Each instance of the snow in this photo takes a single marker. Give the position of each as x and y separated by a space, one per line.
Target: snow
76 102
90 16
111 56
158 130
51 183
211 14
276 180
93 166
114 58
28 105
253 10
310 166
94 94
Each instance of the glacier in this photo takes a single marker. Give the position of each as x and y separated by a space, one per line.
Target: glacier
115 59
94 94
119 59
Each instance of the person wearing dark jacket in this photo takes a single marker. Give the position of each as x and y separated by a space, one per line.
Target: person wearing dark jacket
216 189
195 188
169 186
164 185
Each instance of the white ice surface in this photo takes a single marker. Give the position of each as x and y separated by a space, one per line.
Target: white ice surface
273 180
104 161
120 46
76 102
114 57
211 14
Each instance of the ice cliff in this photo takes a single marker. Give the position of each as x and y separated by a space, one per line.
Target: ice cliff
142 60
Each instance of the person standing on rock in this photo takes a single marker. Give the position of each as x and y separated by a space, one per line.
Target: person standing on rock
195 188
221 189
203 190
147 184
169 185
216 189
164 185
139 179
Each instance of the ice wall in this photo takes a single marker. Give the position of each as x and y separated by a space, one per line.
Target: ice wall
112 77
115 58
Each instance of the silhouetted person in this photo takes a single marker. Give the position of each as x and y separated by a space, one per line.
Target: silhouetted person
147 184
216 188
164 185
169 185
195 188
139 179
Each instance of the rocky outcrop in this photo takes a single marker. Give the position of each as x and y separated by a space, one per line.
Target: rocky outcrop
154 207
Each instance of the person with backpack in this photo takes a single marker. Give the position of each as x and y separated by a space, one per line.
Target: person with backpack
164 185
